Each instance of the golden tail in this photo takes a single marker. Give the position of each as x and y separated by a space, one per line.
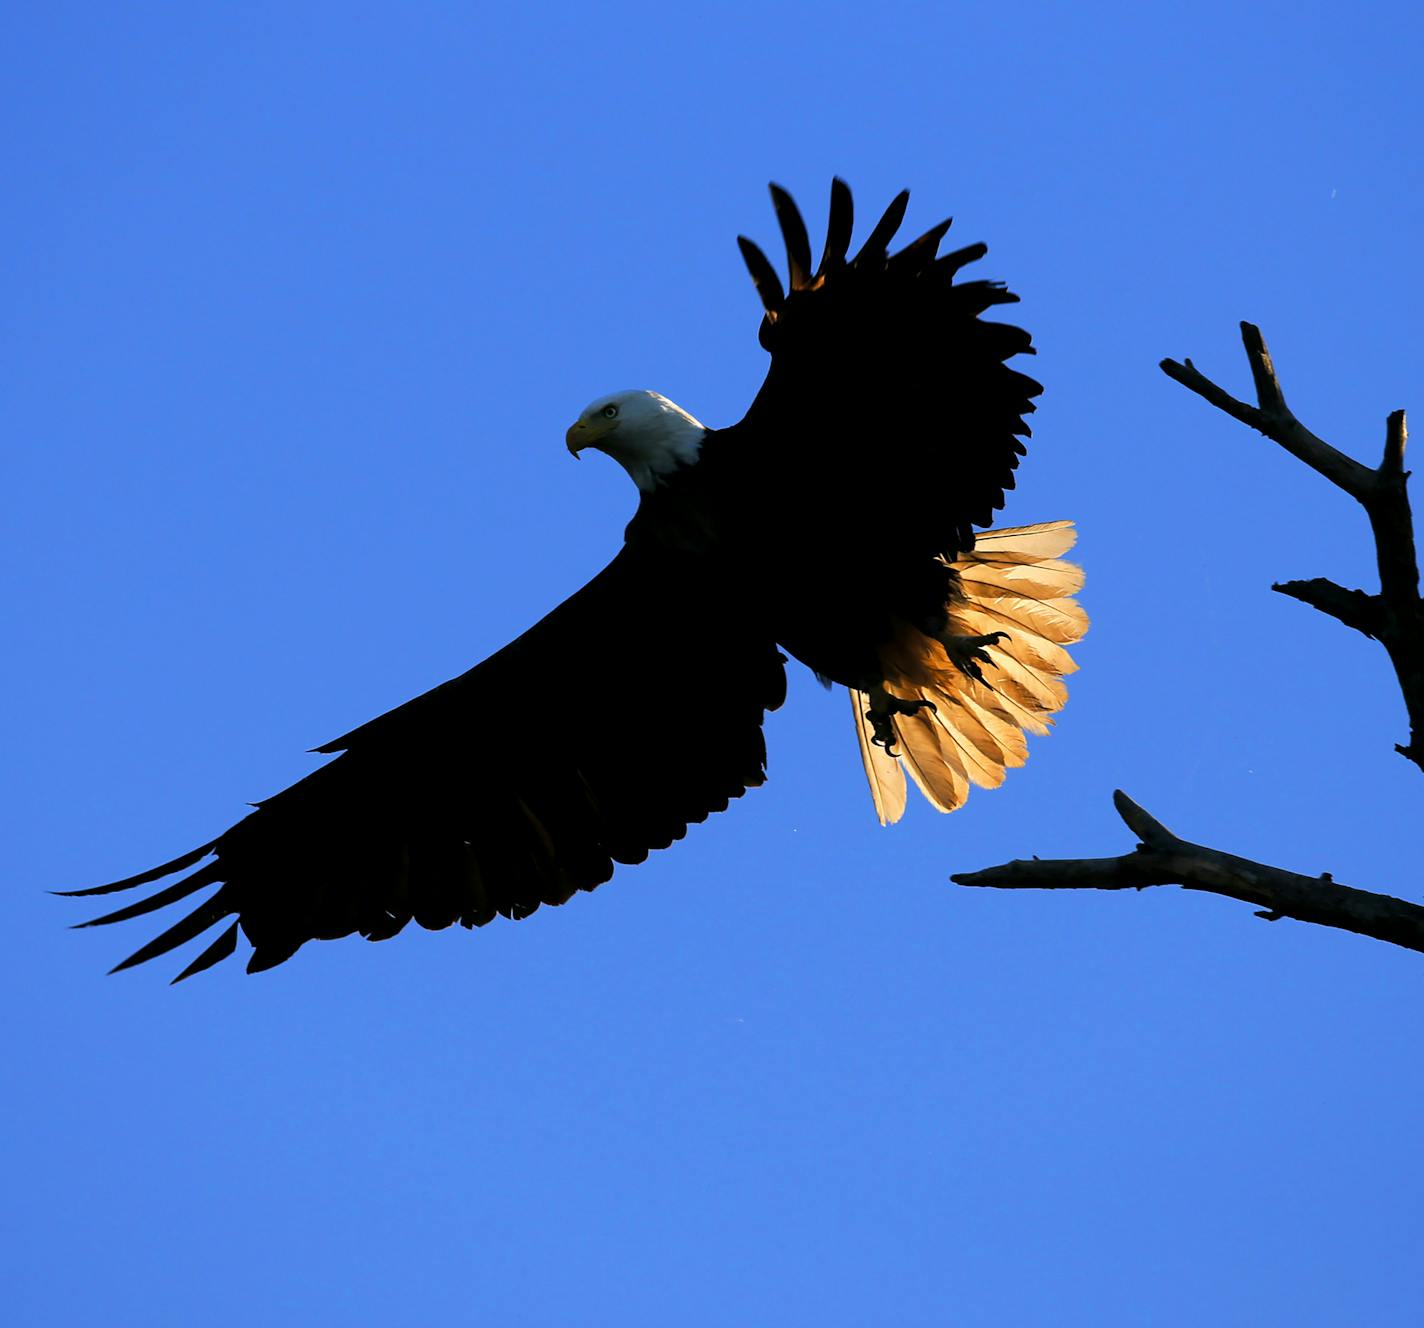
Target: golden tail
1013 582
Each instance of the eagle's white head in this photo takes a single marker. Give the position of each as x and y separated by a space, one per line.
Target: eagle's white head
645 433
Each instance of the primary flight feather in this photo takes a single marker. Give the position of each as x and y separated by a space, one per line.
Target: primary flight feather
835 521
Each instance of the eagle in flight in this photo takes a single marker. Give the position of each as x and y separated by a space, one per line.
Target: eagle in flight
835 522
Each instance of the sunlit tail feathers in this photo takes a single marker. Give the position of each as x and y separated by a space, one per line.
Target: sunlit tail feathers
1014 582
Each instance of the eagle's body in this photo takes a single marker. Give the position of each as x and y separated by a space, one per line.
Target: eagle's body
834 521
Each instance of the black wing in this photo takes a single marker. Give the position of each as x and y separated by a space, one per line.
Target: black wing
888 406
629 712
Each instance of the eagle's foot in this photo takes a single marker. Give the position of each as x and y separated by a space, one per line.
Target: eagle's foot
883 709
968 653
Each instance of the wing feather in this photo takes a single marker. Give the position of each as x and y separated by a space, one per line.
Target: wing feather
793 231
878 241
839 225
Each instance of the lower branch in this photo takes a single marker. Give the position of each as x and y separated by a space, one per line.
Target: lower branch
1354 608
1162 859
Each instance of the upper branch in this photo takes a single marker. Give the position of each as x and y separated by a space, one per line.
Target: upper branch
1272 417
1161 858
1395 616
1393 520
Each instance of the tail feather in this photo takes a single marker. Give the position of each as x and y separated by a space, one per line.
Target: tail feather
1016 583
983 759
994 735
1033 651
1010 708
1051 579
887 779
1057 621
1048 539
1026 687
934 764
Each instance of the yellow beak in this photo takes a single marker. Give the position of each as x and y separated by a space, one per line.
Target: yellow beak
577 438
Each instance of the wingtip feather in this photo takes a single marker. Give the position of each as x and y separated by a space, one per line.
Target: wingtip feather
185 929
793 232
878 241
764 278
839 225
219 950
143 878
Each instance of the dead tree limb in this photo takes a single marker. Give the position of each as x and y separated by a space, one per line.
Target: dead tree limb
1395 615
1163 859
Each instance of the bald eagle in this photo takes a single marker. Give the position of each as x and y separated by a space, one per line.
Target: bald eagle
835 522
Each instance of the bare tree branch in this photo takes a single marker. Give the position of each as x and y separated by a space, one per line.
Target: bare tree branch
1273 417
1354 608
1394 616
1161 858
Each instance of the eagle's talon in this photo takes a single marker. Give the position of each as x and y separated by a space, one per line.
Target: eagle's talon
883 709
967 653
882 729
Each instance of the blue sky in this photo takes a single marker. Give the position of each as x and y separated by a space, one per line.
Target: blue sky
299 301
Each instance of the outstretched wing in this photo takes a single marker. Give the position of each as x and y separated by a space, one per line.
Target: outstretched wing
888 402
889 426
629 712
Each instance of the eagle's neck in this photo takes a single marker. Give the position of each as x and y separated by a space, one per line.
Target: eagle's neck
660 439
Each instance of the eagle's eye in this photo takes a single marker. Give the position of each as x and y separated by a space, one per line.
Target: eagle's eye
610 412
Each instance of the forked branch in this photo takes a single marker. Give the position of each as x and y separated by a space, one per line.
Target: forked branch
1394 616
1161 858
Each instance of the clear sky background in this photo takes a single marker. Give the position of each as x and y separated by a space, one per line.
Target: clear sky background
299 299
